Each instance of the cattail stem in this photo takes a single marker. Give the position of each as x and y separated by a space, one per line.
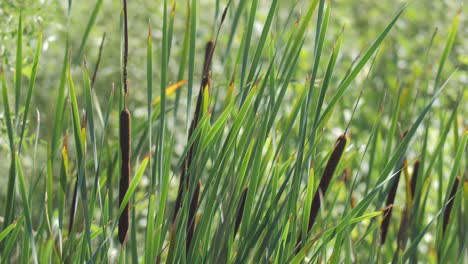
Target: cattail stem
125 55
448 208
125 120
192 215
326 179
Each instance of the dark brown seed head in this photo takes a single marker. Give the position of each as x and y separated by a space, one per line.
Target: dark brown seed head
223 16
390 199
414 178
347 174
403 232
208 56
192 214
196 118
178 202
326 178
125 172
448 209
240 210
73 208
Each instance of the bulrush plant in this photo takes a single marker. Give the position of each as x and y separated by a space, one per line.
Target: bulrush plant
205 83
184 179
125 141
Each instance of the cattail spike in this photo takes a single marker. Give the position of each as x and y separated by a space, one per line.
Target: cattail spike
448 209
184 179
206 66
192 215
73 208
178 202
390 199
240 209
125 121
93 79
326 178
414 179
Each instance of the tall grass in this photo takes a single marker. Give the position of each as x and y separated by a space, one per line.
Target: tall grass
249 170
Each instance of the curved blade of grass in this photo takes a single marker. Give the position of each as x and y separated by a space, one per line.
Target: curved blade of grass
75 118
90 114
60 103
133 185
447 49
32 81
191 66
89 26
260 44
7 230
247 39
10 199
26 210
19 66
169 90
357 69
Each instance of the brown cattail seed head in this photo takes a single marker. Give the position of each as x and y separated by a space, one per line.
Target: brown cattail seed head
414 178
390 200
448 209
192 214
240 209
326 178
125 172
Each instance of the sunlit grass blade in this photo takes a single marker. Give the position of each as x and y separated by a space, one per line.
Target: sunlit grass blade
89 26
19 66
26 209
133 185
10 198
32 81
355 71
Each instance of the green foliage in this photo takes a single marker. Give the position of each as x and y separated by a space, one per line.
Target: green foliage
277 90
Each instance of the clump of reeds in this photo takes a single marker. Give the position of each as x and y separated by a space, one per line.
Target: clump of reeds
125 143
448 208
209 50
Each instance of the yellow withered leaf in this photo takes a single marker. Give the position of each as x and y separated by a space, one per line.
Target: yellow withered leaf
169 90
